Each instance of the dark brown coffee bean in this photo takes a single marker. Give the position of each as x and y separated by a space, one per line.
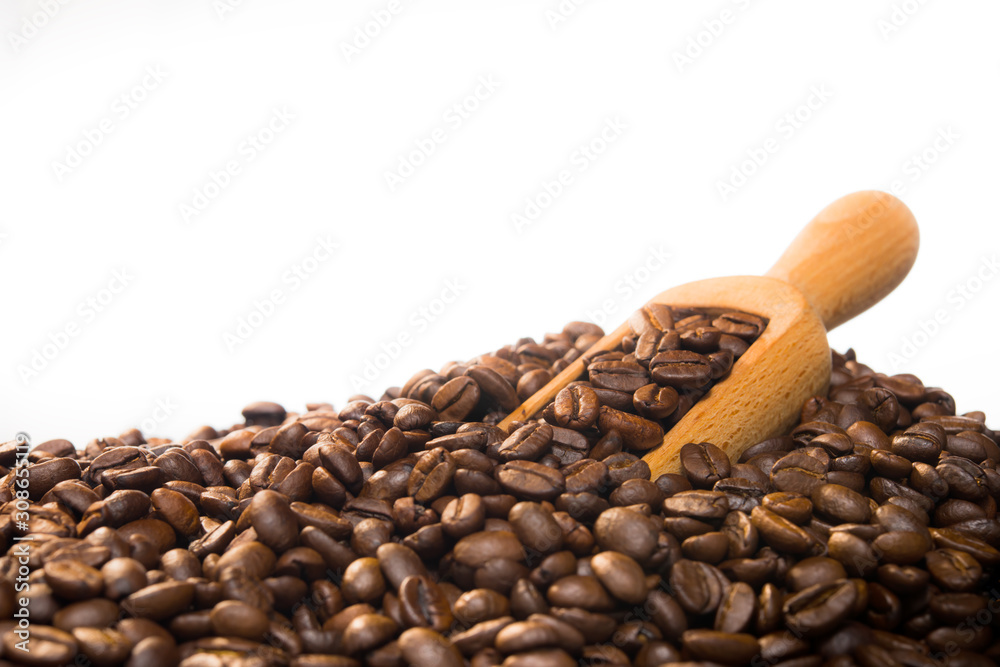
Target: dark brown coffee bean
680 369
780 533
902 547
576 407
585 592
818 610
840 504
456 398
160 601
73 580
273 520
367 632
704 464
231 618
620 575
423 604
737 610
799 473
495 387
530 480
623 376
626 531
921 442
431 475
536 527
698 587
421 646
720 647
655 402
363 581
636 432
954 571
530 442
698 504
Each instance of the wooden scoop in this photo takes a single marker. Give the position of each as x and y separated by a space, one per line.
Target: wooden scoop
856 251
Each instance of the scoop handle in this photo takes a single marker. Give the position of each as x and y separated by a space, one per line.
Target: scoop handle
856 251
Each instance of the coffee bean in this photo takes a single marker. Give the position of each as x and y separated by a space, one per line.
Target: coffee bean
423 604
536 527
576 407
530 442
818 610
698 587
620 575
704 464
680 369
530 480
456 398
585 592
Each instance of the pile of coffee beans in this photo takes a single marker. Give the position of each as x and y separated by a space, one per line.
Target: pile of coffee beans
411 530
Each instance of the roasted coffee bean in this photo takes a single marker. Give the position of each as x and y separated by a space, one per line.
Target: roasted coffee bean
680 369
456 398
530 442
698 587
655 402
530 480
576 407
704 464
818 610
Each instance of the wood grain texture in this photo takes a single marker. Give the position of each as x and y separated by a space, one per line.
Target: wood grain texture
764 392
857 250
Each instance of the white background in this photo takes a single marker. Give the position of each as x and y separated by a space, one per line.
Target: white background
896 75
